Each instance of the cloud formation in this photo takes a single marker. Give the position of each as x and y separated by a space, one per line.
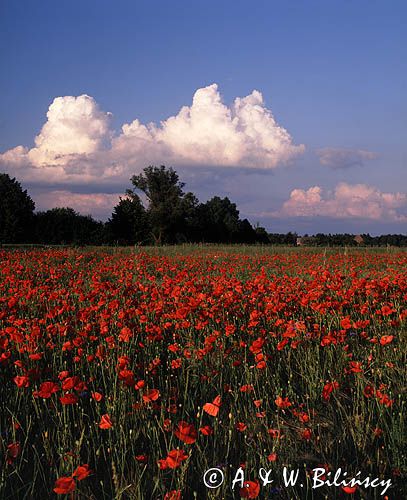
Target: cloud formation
344 158
97 204
346 201
77 144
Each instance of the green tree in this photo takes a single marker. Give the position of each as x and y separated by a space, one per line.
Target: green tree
169 207
221 219
246 233
262 235
191 225
129 223
65 226
16 212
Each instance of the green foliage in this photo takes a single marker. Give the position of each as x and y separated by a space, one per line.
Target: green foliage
171 212
16 211
221 220
164 194
178 217
129 223
65 226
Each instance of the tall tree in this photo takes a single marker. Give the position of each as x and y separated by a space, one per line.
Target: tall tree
246 232
129 223
222 223
16 212
191 230
167 203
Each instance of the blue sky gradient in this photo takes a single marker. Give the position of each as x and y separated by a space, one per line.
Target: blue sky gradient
332 73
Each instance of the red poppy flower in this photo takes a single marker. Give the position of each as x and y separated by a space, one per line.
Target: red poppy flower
241 427
173 495
282 344
151 395
69 399
64 485
186 432
387 310
355 367
282 403
251 489
176 363
139 384
328 388
212 408
13 450
349 489
304 417
386 339
36 356
81 472
46 390
173 348
105 422
21 381
70 382
384 399
125 334
62 375
368 391
173 460
306 434
206 430
97 396
257 345
346 324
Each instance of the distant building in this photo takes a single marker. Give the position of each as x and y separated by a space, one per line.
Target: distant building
359 239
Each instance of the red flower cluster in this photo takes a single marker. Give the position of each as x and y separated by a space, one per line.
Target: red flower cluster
66 484
257 353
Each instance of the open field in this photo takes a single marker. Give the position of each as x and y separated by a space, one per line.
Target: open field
127 373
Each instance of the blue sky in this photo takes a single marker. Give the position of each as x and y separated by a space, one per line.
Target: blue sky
331 74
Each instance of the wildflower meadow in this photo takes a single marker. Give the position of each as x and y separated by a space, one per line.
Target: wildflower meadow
129 373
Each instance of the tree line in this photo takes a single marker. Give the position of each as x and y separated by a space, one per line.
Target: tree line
168 216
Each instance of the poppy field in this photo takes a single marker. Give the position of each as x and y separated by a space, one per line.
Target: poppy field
127 374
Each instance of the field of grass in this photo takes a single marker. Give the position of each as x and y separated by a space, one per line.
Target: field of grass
128 373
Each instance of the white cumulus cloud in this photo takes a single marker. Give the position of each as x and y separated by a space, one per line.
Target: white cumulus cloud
77 144
75 127
346 201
